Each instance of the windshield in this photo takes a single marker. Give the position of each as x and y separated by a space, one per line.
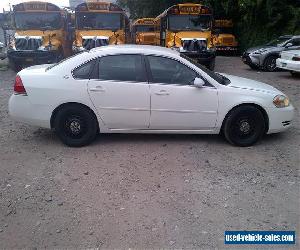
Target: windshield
225 30
216 76
38 20
189 22
144 28
278 42
99 21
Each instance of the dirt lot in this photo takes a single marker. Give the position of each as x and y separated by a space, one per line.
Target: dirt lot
146 191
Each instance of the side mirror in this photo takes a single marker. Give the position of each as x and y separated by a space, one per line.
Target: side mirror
288 45
198 82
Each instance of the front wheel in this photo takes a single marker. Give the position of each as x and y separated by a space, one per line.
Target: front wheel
270 63
244 126
75 125
294 73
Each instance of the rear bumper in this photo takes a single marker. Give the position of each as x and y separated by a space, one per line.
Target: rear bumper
32 57
288 65
22 110
280 119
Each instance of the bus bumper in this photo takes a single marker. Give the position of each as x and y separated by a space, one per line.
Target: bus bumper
203 57
227 48
24 57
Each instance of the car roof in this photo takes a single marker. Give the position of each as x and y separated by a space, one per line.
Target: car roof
134 49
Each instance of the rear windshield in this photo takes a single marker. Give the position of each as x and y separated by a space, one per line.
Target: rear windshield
64 60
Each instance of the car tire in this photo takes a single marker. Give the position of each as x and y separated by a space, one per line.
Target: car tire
254 67
244 126
295 74
75 125
270 63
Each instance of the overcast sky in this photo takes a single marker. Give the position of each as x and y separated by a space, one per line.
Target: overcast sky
5 3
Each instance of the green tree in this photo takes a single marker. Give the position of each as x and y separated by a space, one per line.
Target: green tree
256 21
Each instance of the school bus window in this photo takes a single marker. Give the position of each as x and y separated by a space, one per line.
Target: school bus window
36 20
188 22
144 28
108 21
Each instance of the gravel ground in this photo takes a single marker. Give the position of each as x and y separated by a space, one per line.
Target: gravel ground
146 191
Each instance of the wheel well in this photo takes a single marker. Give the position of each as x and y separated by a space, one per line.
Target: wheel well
263 111
270 55
54 113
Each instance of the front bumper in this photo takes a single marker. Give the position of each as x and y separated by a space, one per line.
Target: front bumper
251 59
203 57
33 57
280 119
288 65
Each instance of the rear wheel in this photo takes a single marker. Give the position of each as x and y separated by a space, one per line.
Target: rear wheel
244 126
75 125
270 63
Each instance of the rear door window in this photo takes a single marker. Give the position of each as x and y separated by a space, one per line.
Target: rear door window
127 68
84 71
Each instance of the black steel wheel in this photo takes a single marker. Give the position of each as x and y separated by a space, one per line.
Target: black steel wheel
244 126
75 125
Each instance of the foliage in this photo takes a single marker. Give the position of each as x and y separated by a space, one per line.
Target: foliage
256 21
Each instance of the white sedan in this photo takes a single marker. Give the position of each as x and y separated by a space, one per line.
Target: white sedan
289 60
145 89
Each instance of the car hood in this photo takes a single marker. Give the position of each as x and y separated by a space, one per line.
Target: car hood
264 49
252 85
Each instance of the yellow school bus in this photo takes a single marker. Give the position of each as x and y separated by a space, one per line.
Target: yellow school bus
99 24
143 31
42 34
224 38
188 29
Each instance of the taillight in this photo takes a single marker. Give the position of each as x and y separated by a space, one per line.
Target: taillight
19 87
296 58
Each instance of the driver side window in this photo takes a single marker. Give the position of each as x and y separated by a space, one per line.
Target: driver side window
169 71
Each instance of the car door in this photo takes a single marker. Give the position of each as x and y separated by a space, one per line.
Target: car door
176 104
121 92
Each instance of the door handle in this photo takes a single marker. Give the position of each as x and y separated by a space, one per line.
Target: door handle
162 92
97 89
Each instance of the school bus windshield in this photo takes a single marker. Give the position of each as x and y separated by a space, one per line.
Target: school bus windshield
189 22
99 21
38 20
144 28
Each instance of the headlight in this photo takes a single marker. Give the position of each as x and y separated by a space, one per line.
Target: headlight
78 49
175 48
212 49
281 101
